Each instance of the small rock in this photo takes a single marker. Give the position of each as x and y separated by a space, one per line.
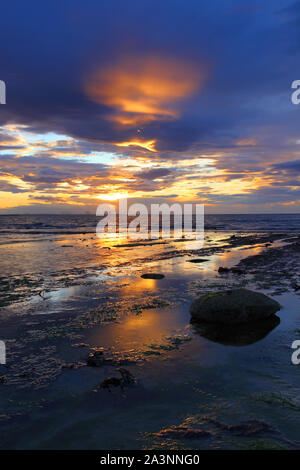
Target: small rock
96 359
237 271
152 276
111 382
125 380
197 260
223 270
3 379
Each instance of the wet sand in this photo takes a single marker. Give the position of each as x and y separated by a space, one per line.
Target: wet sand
72 296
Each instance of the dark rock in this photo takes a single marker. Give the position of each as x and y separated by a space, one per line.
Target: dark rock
125 380
237 271
97 359
111 382
233 307
197 260
3 379
222 270
152 276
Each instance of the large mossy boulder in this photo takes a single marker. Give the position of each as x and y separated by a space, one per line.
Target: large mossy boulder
233 307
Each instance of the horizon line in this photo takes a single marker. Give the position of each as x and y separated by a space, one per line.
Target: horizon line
206 213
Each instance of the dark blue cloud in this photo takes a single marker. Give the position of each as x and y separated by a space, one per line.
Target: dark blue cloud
252 48
241 116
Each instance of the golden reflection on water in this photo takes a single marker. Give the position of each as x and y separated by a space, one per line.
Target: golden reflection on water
137 333
138 330
143 255
139 285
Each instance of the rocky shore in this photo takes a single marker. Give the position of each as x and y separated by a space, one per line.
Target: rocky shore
123 336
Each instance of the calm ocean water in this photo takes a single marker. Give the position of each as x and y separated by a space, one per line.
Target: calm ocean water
60 224
60 289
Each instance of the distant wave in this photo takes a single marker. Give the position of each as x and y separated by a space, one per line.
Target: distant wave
47 232
86 224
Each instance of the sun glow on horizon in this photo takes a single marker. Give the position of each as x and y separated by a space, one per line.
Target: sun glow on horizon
112 196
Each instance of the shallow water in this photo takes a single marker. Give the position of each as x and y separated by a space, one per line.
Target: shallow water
73 289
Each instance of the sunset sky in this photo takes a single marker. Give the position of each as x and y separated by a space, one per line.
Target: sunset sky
156 100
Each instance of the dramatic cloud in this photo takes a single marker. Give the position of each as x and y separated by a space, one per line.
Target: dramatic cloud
155 99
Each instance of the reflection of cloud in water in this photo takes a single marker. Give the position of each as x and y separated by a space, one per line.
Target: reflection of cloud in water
137 332
138 285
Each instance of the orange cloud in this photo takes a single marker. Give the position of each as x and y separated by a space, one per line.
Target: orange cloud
144 89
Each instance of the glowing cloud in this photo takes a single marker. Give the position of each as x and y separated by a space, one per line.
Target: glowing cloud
148 145
144 89
112 196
